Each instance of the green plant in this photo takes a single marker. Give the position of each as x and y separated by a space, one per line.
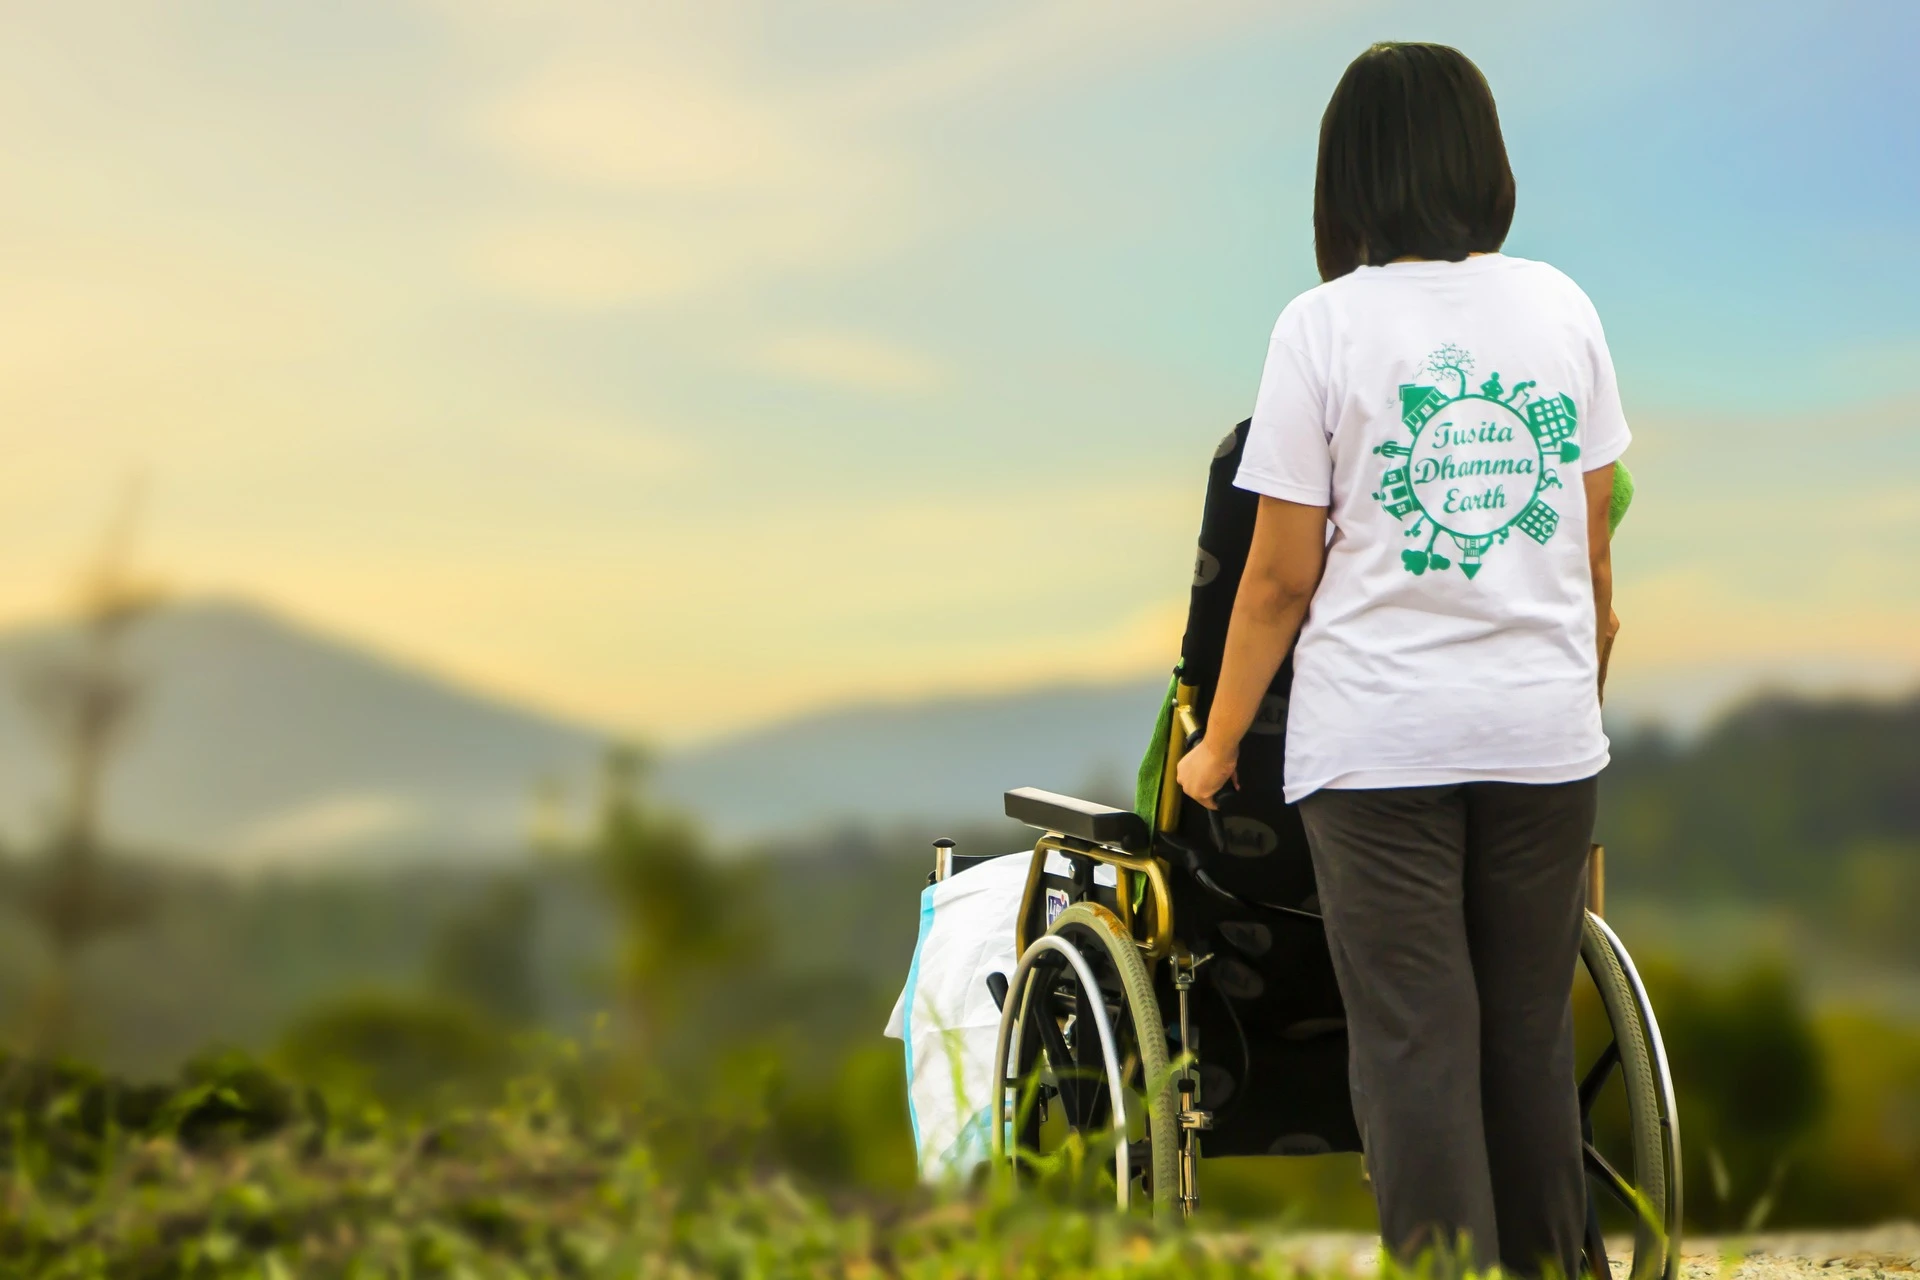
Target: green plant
549 1181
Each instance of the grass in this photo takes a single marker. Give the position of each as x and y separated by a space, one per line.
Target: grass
234 1173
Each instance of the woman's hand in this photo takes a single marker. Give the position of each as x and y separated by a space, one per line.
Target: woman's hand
1606 649
1599 487
1204 772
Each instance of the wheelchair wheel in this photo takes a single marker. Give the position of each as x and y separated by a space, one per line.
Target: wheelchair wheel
1633 1177
1087 1048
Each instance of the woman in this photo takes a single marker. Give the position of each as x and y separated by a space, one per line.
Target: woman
1433 443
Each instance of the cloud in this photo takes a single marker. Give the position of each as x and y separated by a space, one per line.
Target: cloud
646 194
855 361
591 263
1691 645
622 448
564 487
649 258
654 128
1144 641
659 153
1044 44
651 163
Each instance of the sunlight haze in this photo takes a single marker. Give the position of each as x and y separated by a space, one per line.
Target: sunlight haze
682 367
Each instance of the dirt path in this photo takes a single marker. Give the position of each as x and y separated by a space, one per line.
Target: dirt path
1890 1252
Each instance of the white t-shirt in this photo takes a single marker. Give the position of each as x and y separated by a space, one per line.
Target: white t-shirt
1444 413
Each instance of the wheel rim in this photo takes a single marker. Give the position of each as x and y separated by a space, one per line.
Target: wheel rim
1664 1097
1048 959
1052 1039
1629 1139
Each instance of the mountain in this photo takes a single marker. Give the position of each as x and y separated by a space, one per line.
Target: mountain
946 759
261 742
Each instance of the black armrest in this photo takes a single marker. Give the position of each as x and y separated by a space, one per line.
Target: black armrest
1049 811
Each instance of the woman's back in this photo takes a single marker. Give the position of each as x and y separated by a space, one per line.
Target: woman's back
1447 410
1452 414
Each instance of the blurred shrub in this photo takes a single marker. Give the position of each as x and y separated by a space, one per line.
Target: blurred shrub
400 1051
532 1187
850 1127
1319 1191
484 955
1864 1163
690 920
1766 803
1782 1121
1751 1078
1872 899
780 1061
64 1127
746 1038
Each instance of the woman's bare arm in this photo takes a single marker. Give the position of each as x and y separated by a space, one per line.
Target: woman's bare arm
1284 563
1599 485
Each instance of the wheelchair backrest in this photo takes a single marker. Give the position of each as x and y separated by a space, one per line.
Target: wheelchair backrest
1256 847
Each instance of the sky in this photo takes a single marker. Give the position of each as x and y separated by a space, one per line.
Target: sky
682 367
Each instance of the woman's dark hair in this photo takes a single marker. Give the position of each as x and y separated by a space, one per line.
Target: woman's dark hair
1411 162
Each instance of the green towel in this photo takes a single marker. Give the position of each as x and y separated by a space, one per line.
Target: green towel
1622 497
1146 786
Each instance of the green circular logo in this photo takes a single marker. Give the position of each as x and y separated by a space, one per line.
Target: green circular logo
1475 467
1479 464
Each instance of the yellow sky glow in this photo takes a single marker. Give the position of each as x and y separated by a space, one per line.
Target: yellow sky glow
351 318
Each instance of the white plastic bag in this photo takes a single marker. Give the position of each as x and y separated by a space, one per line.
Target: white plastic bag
946 1015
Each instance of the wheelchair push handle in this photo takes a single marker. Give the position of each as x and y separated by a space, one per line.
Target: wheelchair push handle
1187 725
1191 730
1215 823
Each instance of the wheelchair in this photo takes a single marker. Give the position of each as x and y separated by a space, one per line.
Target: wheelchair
1174 990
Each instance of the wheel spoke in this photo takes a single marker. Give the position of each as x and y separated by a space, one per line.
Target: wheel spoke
1090 1063
1597 1075
1066 1038
1065 1070
1609 1177
1596 1246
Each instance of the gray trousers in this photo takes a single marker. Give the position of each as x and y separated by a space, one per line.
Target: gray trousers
1454 915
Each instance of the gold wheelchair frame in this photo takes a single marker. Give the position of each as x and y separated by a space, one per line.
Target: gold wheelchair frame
1138 912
